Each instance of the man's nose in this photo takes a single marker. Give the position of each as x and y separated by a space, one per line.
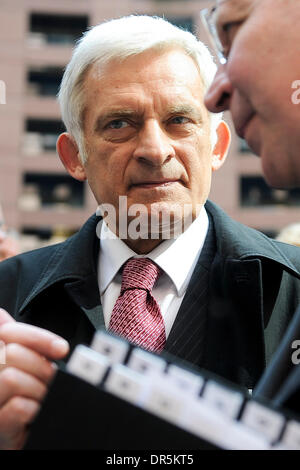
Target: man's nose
154 145
218 96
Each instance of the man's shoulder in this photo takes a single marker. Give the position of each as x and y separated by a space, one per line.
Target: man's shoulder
241 241
30 273
34 260
38 260
20 275
291 251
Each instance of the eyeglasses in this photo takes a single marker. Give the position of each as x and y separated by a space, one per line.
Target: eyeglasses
208 20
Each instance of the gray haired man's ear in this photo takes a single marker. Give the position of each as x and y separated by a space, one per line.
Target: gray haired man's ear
68 152
222 145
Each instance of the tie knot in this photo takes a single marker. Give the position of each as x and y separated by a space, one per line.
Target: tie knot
139 273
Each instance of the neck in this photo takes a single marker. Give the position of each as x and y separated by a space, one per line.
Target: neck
142 247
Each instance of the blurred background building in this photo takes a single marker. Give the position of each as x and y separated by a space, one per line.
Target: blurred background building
38 198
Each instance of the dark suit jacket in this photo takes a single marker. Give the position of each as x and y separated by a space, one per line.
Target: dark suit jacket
280 383
253 290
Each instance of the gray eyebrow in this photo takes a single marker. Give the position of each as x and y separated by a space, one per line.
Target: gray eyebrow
185 109
117 114
181 108
123 113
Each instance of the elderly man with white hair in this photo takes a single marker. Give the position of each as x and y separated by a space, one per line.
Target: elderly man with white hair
162 266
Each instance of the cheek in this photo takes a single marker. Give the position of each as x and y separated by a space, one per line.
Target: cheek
105 164
244 63
196 159
255 75
114 174
239 72
197 143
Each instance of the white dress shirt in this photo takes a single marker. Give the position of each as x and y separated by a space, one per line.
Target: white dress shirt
176 257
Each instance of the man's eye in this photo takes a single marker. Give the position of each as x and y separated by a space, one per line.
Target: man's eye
179 120
117 124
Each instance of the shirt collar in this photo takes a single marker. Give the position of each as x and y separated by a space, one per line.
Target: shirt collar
176 257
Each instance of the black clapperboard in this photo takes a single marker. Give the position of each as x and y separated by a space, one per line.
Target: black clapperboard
114 395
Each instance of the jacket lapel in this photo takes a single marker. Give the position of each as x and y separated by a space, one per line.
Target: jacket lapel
187 336
85 294
74 266
235 346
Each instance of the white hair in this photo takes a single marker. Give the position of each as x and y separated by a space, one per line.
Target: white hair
119 39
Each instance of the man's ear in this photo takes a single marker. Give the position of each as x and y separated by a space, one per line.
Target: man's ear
222 145
69 154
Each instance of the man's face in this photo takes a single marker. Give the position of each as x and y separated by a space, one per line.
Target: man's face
147 132
262 41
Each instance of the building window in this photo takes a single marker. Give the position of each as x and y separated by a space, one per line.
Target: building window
41 135
255 192
56 29
44 81
37 237
55 191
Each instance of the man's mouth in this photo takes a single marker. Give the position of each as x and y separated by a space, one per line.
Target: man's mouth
242 125
154 183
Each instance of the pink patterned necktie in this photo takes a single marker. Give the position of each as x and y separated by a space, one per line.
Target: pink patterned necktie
136 315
